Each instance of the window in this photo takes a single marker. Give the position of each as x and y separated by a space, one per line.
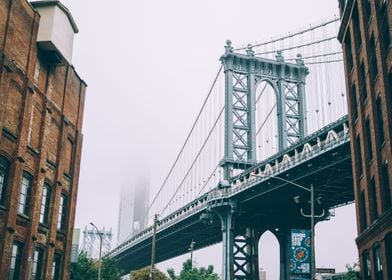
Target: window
56 264
16 261
358 156
24 194
367 10
354 102
45 204
366 266
61 222
357 31
369 140
362 79
373 58
388 250
4 170
362 209
374 209
377 263
380 121
37 264
386 188
386 36
348 50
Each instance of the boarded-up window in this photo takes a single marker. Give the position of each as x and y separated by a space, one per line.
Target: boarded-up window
35 126
68 157
53 140
14 106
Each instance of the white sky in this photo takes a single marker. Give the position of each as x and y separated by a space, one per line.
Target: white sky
148 65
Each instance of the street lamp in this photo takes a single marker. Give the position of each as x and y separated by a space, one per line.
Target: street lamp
191 247
311 216
154 233
100 250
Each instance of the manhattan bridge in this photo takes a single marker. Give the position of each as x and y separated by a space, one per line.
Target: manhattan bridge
273 120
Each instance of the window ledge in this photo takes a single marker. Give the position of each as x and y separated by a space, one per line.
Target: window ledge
67 176
355 120
370 19
32 150
43 228
10 135
23 216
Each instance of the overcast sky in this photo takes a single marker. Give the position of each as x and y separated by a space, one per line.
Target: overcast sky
148 65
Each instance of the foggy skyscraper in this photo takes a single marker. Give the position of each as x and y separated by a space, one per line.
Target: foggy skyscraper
134 201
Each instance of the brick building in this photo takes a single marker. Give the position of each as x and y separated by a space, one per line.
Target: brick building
365 34
41 112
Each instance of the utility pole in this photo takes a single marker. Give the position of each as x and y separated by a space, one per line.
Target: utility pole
312 216
191 250
100 250
154 232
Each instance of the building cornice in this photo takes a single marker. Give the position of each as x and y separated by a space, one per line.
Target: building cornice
346 15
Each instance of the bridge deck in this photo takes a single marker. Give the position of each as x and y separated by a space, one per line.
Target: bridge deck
322 159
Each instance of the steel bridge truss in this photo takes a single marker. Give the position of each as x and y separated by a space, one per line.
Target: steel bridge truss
243 72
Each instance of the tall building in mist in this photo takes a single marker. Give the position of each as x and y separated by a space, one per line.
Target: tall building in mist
365 34
134 201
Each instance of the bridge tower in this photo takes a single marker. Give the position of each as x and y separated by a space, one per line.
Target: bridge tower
243 73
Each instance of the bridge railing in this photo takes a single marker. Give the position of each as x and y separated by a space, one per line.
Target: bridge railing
318 142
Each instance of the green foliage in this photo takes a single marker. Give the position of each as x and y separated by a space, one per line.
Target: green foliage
193 273
144 274
110 271
87 269
84 269
351 274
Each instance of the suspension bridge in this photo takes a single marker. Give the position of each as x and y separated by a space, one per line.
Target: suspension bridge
275 116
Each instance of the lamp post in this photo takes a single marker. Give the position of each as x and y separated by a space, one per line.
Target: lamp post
311 216
191 247
154 233
100 250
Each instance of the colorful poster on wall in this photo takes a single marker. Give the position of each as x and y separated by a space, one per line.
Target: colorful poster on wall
300 254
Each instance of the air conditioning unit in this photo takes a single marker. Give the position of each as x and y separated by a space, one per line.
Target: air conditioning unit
56 31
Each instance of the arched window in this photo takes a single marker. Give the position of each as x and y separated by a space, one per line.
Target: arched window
45 204
4 170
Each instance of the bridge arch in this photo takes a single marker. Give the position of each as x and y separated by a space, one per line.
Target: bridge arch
266 116
269 254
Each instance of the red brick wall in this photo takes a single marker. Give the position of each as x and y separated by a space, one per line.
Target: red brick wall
376 229
41 115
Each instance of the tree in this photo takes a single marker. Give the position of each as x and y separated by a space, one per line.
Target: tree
110 270
84 269
144 274
87 269
352 273
189 272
